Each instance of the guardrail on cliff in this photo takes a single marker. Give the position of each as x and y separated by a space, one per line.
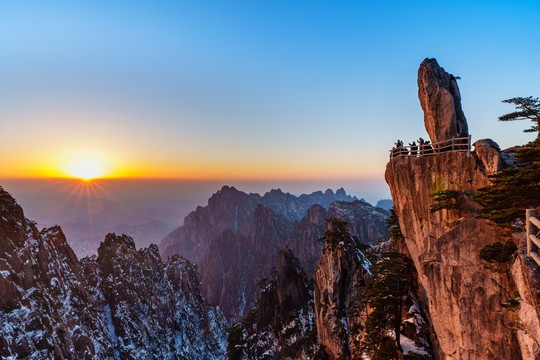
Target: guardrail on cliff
533 231
461 144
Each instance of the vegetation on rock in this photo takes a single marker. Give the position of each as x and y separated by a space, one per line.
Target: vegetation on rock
387 290
338 231
393 223
528 108
513 190
449 200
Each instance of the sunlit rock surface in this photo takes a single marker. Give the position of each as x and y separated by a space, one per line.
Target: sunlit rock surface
441 101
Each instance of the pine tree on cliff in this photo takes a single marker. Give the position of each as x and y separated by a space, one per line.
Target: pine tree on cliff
513 190
338 231
527 108
393 223
387 290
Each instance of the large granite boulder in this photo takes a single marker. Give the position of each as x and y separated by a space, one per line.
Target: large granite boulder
489 153
441 102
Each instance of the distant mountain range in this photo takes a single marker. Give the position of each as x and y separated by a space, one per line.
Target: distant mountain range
235 238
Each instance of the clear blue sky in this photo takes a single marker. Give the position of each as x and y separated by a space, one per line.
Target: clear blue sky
249 89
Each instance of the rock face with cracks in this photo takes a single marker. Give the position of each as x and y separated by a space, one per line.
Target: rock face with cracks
467 302
341 274
440 99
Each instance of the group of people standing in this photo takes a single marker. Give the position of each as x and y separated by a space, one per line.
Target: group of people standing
422 148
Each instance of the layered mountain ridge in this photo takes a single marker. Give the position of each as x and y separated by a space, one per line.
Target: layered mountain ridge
235 238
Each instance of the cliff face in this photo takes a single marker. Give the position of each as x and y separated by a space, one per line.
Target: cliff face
235 262
341 274
123 304
463 297
282 325
155 308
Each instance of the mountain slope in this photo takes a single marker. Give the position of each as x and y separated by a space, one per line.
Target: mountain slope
122 304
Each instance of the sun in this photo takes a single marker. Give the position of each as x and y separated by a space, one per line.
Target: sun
86 169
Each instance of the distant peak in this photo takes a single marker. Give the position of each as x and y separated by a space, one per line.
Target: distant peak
113 244
227 188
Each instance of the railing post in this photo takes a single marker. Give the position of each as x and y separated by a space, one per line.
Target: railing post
469 146
529 226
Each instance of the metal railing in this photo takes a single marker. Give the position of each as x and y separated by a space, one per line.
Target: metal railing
461 144
532 225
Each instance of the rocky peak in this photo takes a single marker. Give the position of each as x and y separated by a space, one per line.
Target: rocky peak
441 102
315 214
14 227
456 286
291 280
228 195
282 324
341 274
274 192
114 249
340 193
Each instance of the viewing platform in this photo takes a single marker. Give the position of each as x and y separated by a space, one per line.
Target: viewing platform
461 144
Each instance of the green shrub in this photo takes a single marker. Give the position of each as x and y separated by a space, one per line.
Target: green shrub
499 252
449 200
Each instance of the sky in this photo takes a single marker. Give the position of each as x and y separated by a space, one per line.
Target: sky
304 91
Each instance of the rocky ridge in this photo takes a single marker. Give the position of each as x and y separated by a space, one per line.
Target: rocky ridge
236 237
325 318
282 325
123 304
341 275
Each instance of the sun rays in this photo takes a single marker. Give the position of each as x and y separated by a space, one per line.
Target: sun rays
89 193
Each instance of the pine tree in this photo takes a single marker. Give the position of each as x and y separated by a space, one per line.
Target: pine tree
393 223
387 290
528 108
338 231
513 190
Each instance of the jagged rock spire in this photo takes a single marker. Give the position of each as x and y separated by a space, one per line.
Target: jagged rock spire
441 102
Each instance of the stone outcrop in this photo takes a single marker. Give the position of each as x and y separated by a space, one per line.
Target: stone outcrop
341 274
45 311
526 275
445 248
466 301
124 303
489 153
282 325
441 101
